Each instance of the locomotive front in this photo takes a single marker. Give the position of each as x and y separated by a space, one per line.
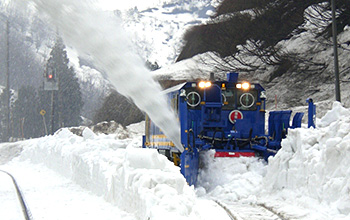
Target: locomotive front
226 116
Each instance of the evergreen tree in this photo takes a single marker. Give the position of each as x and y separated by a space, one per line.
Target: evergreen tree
2 115
68 99
4 132
27 122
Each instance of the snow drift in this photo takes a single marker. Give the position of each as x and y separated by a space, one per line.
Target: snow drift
137 180
315 163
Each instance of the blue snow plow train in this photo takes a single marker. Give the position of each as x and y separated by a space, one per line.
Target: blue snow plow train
227 116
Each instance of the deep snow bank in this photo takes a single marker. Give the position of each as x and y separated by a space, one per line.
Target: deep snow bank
315 163
137 180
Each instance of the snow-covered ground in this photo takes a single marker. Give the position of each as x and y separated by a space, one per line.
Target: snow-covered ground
66 176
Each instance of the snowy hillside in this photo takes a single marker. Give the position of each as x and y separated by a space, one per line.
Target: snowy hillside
158 30
312 77
291 89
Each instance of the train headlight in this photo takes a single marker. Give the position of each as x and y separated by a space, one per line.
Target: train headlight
245 86
204 84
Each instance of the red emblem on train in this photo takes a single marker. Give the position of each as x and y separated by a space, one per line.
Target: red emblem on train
234 115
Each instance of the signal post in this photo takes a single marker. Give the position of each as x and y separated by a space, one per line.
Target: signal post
51 84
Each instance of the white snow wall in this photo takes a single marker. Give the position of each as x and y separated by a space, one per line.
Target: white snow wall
137 180
95 34
316 162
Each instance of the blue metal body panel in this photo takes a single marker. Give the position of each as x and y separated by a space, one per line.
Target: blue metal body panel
189 165
311 113
297 120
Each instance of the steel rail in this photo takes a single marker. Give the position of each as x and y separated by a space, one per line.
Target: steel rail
253 209
272 210
26 212
229 213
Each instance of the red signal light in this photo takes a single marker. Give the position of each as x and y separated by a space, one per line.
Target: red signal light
50 76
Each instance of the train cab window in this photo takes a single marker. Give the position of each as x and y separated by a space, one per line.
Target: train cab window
194 98
228 99
246 100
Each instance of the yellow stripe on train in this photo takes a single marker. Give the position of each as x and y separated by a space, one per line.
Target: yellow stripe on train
165 143
158 136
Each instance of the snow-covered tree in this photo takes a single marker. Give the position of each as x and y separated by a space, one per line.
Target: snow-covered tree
68 99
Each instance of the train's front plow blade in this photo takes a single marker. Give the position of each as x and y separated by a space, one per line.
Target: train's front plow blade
189 165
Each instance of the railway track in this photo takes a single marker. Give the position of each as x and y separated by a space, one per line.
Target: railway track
26 212
240 211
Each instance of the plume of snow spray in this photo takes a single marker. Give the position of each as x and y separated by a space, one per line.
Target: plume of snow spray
94 33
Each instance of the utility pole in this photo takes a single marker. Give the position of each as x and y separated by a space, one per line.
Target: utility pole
52 111
335 52
7 136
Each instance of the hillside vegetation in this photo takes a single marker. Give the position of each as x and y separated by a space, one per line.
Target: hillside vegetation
246 28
